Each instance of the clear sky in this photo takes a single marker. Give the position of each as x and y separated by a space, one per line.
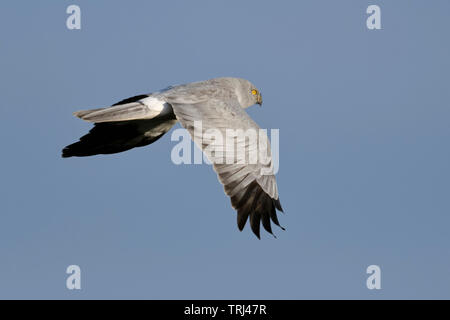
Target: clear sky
364 176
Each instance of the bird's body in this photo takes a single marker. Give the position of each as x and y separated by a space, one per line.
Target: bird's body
217 104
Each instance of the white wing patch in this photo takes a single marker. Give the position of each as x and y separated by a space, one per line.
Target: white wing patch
153 104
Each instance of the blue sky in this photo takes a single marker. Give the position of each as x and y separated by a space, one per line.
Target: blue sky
364 151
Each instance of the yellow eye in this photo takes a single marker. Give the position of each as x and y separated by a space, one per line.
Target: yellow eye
254 92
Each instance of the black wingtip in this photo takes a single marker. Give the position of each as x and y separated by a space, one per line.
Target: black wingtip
259 207
278 205
65 154
114 137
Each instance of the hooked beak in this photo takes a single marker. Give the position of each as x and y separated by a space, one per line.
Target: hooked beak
259 99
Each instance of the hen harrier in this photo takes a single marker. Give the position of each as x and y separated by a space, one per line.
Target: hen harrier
219 104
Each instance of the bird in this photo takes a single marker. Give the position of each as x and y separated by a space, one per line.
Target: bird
217 104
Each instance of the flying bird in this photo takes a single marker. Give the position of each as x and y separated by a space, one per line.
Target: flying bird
217 104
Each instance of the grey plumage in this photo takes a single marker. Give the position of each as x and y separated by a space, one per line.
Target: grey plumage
219 104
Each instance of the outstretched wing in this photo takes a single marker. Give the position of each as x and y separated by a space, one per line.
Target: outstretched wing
118 136
134 122
250 185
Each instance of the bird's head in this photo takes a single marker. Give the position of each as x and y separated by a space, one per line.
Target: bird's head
247 93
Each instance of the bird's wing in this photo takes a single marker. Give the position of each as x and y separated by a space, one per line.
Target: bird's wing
118 136
134 122
251 186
